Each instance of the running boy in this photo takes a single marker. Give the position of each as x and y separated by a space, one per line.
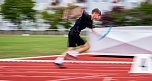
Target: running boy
74 39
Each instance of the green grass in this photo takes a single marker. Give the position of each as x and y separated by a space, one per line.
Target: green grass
29 46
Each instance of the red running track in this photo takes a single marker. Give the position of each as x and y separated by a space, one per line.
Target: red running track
30 71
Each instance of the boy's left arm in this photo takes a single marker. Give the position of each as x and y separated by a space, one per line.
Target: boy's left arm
95 32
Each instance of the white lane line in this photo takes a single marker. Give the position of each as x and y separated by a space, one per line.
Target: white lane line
38 57
107 78
71 73
82 70
52 67
24 76
84 77
50 73
31 57
91 76
68 65
49 61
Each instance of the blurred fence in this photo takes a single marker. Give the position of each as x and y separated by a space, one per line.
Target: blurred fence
37 32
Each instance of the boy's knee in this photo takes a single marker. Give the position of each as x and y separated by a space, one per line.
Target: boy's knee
86 46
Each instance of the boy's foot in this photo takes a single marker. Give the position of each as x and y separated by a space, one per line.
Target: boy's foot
70 57
59 65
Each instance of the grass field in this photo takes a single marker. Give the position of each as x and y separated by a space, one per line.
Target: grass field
28 46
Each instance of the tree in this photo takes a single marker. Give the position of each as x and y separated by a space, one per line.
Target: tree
18 10
146 10
141 15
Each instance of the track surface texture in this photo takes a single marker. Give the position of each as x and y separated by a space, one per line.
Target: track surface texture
45 71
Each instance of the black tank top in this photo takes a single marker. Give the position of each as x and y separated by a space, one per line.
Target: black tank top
83 22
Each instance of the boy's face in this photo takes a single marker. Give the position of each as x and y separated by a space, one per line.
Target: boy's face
95 16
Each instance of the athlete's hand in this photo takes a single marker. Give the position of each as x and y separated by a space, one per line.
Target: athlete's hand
71 13
66 14
94 32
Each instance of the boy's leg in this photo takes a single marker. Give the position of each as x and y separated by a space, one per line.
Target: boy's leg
73 40
71 53
74 53
83 48
59 60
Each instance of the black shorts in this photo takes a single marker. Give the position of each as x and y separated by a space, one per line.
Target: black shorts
74 39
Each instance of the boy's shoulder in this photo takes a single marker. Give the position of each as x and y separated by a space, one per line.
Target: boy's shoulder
85 15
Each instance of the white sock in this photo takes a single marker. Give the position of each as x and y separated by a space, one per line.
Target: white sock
59 60
73 53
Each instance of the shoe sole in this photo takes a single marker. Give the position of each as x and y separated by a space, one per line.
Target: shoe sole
69 57
59 65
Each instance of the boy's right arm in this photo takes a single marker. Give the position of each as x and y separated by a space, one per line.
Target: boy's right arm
68 14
